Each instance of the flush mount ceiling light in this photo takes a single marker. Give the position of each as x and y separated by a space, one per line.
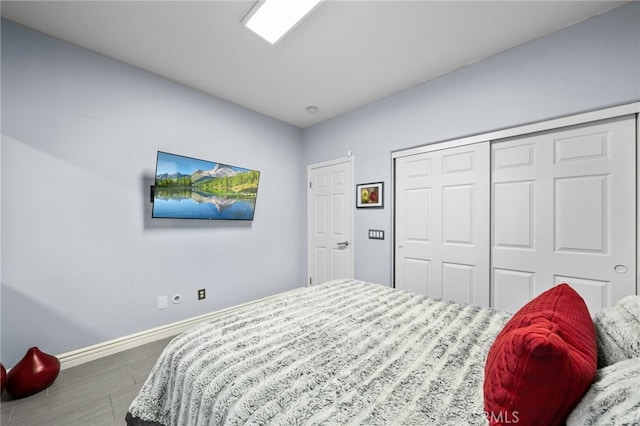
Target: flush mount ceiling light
272 19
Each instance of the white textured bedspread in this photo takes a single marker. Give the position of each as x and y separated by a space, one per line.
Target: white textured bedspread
344 352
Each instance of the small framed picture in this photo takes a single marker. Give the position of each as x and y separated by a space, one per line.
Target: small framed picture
370 195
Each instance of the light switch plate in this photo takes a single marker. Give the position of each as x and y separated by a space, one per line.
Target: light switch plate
376 234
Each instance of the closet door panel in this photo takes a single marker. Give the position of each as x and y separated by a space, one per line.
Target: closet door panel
457 220
582 197
563 209
513 212
417 207
512 289
457 280
442 208
416 275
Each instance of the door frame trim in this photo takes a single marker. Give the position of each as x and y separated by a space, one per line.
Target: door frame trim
637 202
539 126
350 160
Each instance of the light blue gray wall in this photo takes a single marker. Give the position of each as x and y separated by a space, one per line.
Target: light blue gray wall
82 261
592 65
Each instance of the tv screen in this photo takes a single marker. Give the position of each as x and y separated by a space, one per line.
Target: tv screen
189 188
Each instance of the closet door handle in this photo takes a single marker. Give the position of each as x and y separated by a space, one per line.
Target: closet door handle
621 269
343 244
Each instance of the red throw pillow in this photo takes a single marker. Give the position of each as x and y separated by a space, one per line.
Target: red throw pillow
542 362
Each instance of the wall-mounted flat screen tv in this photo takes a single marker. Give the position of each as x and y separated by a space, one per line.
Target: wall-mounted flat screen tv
189 188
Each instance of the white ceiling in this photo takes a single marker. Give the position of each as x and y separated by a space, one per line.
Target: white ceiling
344 55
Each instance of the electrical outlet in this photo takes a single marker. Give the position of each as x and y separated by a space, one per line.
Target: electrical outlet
202 294
163 302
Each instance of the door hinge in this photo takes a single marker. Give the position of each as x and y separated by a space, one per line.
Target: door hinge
309 184
309 280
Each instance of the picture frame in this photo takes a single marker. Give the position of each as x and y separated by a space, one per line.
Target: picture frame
370 195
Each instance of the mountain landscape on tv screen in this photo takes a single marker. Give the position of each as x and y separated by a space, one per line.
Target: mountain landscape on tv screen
216 192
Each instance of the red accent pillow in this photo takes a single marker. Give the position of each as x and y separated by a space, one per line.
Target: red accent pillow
542 362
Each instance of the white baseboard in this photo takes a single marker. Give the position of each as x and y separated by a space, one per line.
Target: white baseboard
110 347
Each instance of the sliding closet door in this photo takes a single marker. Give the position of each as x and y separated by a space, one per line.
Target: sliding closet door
563 210
441 218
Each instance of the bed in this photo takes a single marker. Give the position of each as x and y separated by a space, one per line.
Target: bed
351 352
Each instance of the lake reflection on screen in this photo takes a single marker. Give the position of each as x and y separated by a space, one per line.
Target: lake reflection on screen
201 206
190 188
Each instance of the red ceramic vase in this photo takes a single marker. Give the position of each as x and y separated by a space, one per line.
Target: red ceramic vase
36 371
3 378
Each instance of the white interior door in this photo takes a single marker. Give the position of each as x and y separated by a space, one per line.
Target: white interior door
441 218
330 205
564 206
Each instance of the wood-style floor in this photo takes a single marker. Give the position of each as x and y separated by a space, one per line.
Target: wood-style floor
97 393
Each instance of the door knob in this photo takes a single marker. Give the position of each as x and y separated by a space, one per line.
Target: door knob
343 244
